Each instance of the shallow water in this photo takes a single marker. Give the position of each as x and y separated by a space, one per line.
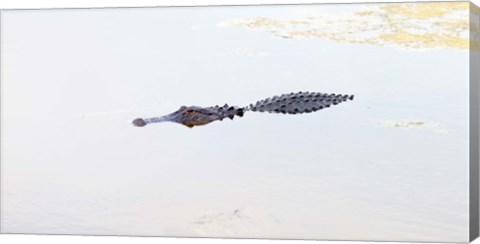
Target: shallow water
72 80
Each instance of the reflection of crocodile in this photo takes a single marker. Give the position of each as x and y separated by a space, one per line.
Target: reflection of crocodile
293 103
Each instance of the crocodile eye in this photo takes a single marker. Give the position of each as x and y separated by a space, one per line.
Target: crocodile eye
191 112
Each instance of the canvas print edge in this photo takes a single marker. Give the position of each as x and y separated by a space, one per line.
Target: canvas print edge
474 85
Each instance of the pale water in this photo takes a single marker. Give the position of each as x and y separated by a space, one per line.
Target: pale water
391 164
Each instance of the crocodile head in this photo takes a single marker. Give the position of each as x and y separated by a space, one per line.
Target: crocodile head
189 116
194 116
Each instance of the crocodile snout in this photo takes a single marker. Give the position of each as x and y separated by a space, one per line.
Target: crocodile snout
139 122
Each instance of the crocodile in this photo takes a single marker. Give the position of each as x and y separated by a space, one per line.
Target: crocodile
292 103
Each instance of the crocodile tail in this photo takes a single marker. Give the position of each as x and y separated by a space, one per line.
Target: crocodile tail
297 103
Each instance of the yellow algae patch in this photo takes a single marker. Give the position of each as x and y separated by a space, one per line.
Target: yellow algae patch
474 28
412 40
248 52
415 124
474 9
424 10
406 25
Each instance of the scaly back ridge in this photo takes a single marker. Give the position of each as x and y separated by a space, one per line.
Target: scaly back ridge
297 103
